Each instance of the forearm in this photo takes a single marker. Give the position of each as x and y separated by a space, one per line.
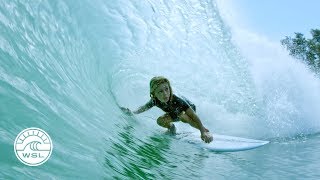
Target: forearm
196 120
140 110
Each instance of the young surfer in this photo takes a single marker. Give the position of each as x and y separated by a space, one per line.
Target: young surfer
176 108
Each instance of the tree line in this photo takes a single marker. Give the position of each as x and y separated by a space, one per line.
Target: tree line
307 50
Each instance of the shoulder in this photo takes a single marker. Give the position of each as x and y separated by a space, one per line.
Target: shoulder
176 99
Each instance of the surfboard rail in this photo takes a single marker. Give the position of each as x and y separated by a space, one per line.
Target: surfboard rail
224 143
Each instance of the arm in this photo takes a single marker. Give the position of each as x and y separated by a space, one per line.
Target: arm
195 122
141 109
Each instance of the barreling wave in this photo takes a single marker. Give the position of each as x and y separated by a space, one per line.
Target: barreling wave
65 66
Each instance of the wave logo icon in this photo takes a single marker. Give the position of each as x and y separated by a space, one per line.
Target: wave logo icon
33 146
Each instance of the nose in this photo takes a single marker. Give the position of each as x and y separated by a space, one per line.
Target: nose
166 93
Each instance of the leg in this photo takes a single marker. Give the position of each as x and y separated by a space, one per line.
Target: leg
166 122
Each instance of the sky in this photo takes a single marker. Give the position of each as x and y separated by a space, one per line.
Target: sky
276 18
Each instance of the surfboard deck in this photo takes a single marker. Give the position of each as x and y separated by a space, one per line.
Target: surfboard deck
223 143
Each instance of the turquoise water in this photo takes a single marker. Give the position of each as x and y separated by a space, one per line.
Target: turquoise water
65 65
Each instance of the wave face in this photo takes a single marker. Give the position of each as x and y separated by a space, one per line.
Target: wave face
66 65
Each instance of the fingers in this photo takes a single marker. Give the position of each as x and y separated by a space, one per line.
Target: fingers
207 138
210 138
126 111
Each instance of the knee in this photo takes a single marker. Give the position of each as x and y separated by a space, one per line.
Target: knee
160 121
163 121
184 118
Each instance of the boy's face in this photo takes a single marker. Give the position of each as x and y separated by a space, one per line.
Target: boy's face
163 92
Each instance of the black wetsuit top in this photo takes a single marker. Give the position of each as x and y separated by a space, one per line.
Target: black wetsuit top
173 107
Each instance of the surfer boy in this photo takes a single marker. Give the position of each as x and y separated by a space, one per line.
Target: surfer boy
176 108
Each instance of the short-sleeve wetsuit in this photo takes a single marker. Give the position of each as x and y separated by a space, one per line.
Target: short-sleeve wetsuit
174 107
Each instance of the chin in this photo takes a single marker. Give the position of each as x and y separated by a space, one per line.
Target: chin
164 101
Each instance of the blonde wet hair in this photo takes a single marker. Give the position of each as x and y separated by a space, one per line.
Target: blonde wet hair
155 82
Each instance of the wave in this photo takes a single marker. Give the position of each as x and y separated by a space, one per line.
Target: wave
66 66
63 60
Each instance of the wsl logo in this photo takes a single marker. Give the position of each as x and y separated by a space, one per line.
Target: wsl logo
33 146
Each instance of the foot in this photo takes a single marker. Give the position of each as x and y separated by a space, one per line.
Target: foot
172 129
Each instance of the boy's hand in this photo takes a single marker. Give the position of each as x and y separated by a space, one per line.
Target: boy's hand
206 137
126 111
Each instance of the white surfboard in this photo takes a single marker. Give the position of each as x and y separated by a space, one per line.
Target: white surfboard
223 143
